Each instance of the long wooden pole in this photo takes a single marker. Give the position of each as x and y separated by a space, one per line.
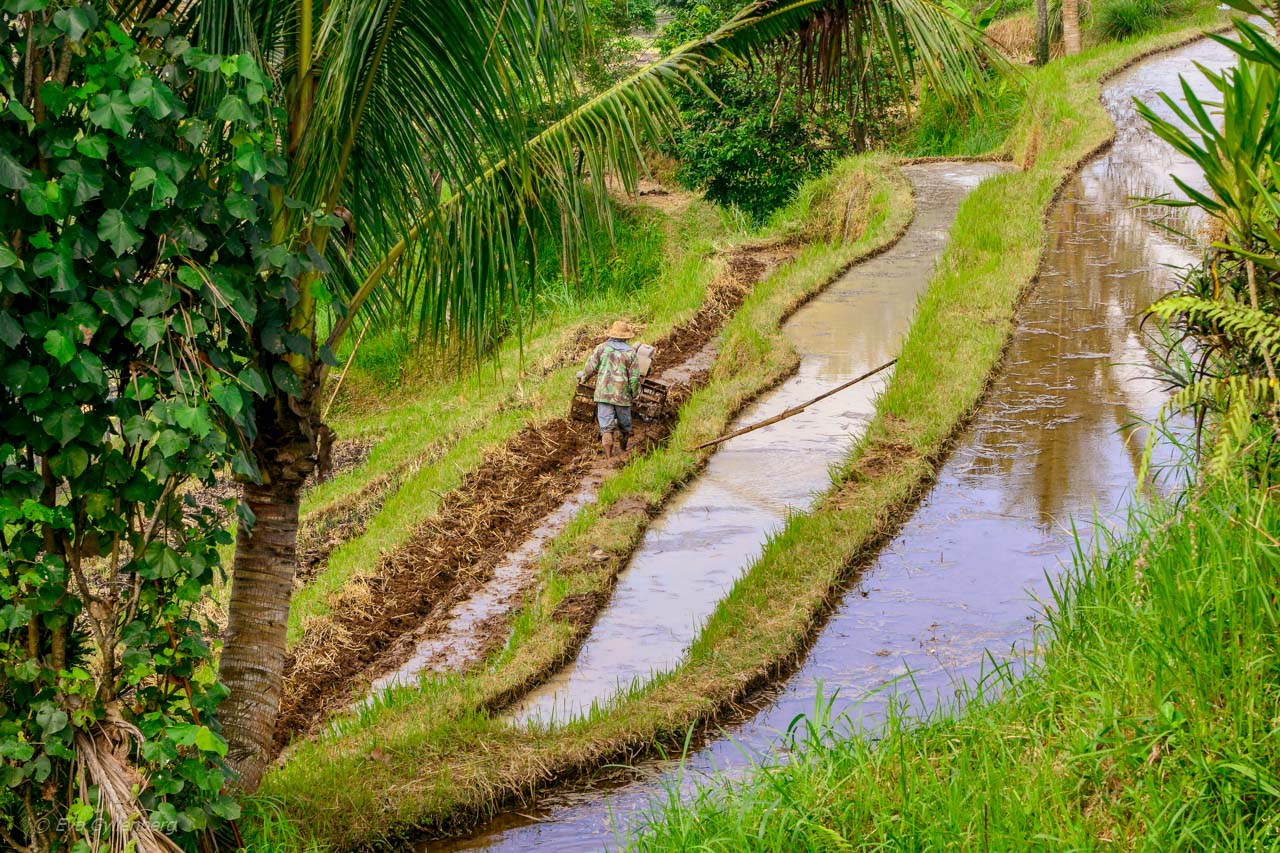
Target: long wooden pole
795 410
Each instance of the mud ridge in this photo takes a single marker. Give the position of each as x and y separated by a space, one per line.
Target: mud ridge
321 532
375 620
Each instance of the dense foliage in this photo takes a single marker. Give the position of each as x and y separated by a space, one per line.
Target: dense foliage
612 50
1121 19
755 133
1230 304
134 263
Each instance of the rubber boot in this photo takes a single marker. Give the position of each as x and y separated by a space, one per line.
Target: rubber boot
623 440
606 442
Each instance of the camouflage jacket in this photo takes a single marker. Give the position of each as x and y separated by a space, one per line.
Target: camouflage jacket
617 370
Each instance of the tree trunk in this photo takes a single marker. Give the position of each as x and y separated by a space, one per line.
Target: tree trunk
253 654
1071 26
266 559
1042 32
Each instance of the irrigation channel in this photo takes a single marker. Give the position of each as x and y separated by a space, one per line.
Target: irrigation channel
959 585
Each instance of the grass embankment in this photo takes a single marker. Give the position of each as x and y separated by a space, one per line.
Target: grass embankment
441 758
427 438
434 756
1146 721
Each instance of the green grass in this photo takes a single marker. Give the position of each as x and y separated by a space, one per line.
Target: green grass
1145 720
960 130
1122 19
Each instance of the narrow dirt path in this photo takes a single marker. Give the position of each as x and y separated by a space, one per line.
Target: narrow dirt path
378 620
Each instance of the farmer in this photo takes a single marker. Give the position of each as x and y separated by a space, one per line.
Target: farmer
617 370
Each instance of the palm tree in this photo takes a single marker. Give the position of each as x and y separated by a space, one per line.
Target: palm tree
1071 26
408 119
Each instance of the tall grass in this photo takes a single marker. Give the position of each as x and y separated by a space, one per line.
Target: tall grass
963 130
1122 19
1146 719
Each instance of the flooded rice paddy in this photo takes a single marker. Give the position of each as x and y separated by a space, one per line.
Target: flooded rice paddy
1051 453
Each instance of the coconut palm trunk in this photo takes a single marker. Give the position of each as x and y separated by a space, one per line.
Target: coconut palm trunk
266 560
1042 32
1071 26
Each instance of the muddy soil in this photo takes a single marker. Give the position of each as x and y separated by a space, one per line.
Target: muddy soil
324 530
377 620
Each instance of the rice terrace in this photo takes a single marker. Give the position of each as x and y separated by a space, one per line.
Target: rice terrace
639 425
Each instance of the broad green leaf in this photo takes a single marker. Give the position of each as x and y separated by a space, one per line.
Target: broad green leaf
250 158
207 741
65 424
84 181
114 304
87 368
22 114
8 258
171 442
202 61
94 146
252 379
112 112
12 174
194 419
58 266
75 21
70 463
12 616
161 560
233 108
286 380
115 227
228 398
147 331
10 332
142 178
146 92
59 345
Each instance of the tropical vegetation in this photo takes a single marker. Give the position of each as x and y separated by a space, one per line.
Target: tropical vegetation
133 274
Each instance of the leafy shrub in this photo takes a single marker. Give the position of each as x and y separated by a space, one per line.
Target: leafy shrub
1229 304
752 141
131 223
742 154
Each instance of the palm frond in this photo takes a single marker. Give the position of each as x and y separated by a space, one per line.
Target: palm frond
459 261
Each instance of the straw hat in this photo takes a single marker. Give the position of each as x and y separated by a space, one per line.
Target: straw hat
621 329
